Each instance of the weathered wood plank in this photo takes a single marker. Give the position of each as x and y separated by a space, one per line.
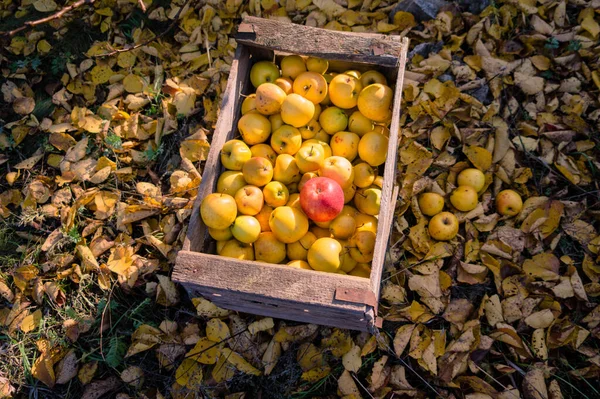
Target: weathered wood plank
226 126
275 282
299 39
390 192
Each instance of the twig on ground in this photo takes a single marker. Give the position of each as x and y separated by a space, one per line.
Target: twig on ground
57 15
146 42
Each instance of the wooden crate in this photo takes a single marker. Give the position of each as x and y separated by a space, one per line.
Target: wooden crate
277 290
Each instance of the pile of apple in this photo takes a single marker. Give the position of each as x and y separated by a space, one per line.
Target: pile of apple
301 186
443 226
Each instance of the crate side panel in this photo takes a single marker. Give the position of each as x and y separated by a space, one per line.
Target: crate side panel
390 189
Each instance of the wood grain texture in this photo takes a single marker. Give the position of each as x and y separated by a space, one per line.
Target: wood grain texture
389 193
244 286
332 45
225 129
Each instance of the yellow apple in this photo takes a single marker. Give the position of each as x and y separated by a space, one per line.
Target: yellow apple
286 84
374 102
299 264
370 77
320 232
360 124
294 201
310 130
471 177
238 250
368 200
310 158
324 225
338 169
324 255
268 249
263 151
378 181
234 154
306 177
364 175
362 246
254 128
276 121
344 91
288 224
349 193
230 182
322 136
263 71
361 270
326 148
347 263
349 210
249 104
286 140
276 194
220 234
298 250
221 244
317 113
382 130
218 211
292 66
286 169
333 120
372 148
258 171
312 86
269 98
345 144
508 203
343 226
353 73
318 65
297 110
245 229
263 217
431 203
366 222
443 226
249 200
464 198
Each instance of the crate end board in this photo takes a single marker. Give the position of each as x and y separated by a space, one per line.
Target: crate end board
200 278
384 50
276 290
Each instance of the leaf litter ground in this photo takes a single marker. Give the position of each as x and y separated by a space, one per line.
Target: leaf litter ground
102 157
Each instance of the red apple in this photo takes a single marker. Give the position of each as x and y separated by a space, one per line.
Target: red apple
322 199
